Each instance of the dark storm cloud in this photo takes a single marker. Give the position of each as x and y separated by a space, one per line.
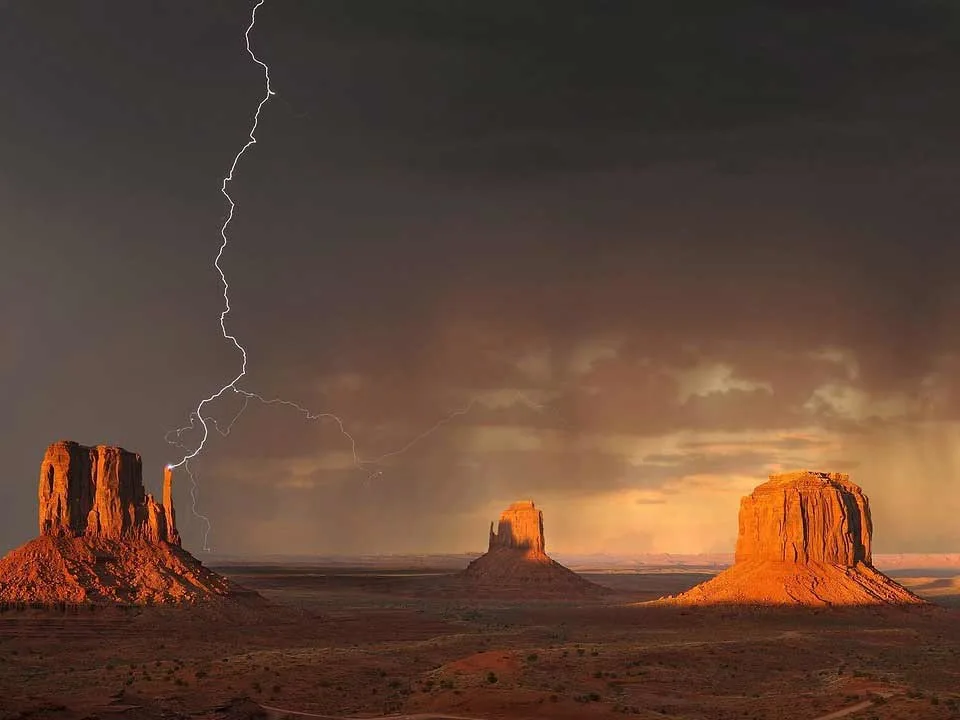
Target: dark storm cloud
526 87
453 200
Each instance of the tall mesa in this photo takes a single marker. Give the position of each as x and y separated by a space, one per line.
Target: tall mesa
98 492
103 539
804 539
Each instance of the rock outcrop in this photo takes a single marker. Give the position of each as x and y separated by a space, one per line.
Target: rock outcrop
805 538
103 538
516 563
520 528
98 492
803 517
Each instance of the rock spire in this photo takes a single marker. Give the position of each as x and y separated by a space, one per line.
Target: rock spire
104 540
516 563
98 492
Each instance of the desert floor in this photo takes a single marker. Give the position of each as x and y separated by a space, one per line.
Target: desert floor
367 643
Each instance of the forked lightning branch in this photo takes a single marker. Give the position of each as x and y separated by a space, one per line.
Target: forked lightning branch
197 416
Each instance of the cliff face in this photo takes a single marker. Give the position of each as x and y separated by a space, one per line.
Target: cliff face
516 564
98 492
103 539
806 517
804 540
520 528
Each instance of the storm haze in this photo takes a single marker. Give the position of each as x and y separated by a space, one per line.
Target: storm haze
657 251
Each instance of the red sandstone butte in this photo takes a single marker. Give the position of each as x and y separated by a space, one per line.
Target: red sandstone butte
804 540
102 537
516 562
98 492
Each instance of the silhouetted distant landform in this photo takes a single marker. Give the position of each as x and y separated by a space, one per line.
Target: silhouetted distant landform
516 562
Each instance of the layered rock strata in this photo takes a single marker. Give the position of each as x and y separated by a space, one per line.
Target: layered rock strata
804 538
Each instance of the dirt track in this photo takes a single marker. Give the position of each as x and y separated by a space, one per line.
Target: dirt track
280 713
843 712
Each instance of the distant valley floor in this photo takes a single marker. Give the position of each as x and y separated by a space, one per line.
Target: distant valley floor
366 641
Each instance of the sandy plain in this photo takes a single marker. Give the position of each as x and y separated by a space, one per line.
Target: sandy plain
341 642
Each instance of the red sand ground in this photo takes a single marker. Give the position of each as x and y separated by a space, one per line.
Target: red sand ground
341 643
75 570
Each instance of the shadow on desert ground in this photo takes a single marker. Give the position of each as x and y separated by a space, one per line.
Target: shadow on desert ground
367 642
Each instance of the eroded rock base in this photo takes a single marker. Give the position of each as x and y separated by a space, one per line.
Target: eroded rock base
97 570
787 583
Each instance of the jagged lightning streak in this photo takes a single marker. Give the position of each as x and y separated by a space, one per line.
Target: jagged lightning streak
198 414
358 461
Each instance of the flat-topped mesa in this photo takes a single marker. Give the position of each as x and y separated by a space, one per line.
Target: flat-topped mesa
805 517
98 492
804 540
104 540
520 528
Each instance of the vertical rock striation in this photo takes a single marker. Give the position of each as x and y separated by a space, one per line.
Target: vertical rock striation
806 517
805 539
169 513
103 539
516 563
98 492
520 528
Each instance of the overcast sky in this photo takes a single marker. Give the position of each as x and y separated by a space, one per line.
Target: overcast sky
658 252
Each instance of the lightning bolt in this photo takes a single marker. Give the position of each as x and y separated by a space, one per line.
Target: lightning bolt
232 385
198 414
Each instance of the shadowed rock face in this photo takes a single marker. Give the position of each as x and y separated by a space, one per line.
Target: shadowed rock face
516 563
806 517
804 540
520 528
98 492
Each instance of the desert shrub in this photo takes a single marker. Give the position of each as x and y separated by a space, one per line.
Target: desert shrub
491 677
